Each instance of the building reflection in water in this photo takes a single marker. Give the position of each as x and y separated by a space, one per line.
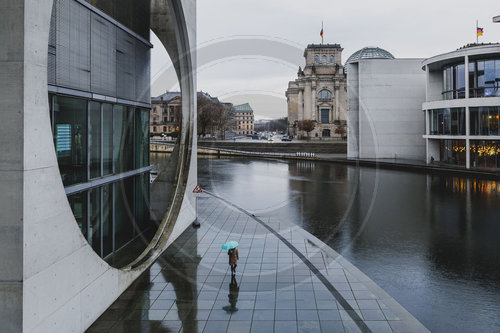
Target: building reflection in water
179 267
232 296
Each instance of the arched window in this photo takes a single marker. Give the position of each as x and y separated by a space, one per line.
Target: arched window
332 59
316 59
324 95
323 59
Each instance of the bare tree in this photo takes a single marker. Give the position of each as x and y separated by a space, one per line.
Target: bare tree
306 126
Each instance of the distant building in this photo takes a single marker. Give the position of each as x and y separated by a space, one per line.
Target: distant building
245 123
462 107
384 101
165 113
319 92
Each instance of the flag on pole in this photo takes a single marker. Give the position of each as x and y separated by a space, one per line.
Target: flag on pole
321 33
479 31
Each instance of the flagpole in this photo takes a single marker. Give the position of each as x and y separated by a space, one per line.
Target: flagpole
322 32
477 36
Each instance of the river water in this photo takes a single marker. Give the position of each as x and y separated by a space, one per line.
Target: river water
431 242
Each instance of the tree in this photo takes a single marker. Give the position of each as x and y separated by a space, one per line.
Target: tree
341 130
306 126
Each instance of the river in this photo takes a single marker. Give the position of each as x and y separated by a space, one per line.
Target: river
431 242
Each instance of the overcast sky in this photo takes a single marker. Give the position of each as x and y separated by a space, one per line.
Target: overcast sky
249 50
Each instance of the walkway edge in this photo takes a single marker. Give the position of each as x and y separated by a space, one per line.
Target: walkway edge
396 308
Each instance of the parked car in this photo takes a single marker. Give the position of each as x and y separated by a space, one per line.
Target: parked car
286 138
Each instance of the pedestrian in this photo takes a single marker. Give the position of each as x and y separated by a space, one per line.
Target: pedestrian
233 259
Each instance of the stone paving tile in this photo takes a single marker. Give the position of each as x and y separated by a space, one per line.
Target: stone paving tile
189 288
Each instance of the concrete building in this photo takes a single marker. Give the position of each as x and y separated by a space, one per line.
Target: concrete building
165 114
496 19
462 107
74 168
384 98
245 122
319 92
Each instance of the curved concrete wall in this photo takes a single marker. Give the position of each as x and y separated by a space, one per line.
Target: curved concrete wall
50 278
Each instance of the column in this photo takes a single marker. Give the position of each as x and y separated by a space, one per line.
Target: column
300 110
467 115
307 101
313 104
337 105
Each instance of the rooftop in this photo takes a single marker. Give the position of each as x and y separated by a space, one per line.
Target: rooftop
166 97
369 52
324 46
243 108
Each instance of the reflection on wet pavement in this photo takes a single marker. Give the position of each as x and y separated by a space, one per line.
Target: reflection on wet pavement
190 288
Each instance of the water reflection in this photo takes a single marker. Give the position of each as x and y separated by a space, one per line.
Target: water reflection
179 267
232 296
162 188
430 241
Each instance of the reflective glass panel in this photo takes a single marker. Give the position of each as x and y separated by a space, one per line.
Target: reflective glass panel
94 237
325 116
124 212
123 138
95 139
474 121
142 138
107 220
107 139
70 138
78 204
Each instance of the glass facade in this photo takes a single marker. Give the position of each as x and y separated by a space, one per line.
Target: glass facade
485 154
484 120
453 152
450 121
101 141
484 79
324 95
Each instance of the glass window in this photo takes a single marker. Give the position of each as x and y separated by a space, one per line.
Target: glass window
123 138
489 78
78 204
124 212
453 152
323 59
454 121
324 95
332 59
107 139
474 121
142 138
70 138
446 121
480 79
484 122
472 79
95 139
493 120
485 154
142 201
316 59
94 237
107 219
325 116
459 79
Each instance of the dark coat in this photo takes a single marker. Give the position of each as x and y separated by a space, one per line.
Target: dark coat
233 256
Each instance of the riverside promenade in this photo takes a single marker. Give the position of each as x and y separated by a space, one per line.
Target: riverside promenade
287 281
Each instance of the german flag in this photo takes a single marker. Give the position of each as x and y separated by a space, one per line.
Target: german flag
321 33
479 31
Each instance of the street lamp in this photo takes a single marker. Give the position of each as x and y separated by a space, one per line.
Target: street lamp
496 19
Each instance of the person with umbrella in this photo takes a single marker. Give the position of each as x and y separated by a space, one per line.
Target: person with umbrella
232 247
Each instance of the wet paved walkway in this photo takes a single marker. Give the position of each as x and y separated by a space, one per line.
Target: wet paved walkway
287 281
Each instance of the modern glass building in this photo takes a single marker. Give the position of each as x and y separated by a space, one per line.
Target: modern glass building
99 98
462 107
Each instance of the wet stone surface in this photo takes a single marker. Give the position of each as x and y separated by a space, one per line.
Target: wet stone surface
190 288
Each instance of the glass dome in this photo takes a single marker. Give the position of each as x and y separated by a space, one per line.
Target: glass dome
369 53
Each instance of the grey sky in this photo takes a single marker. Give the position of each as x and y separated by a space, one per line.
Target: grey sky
407 29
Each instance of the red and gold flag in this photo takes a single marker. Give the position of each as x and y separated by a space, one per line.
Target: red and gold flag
479 31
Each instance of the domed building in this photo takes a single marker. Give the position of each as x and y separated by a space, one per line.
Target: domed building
370 52
384 97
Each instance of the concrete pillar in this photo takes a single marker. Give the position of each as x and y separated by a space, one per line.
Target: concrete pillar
337 104
313 103
300 104
307 101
